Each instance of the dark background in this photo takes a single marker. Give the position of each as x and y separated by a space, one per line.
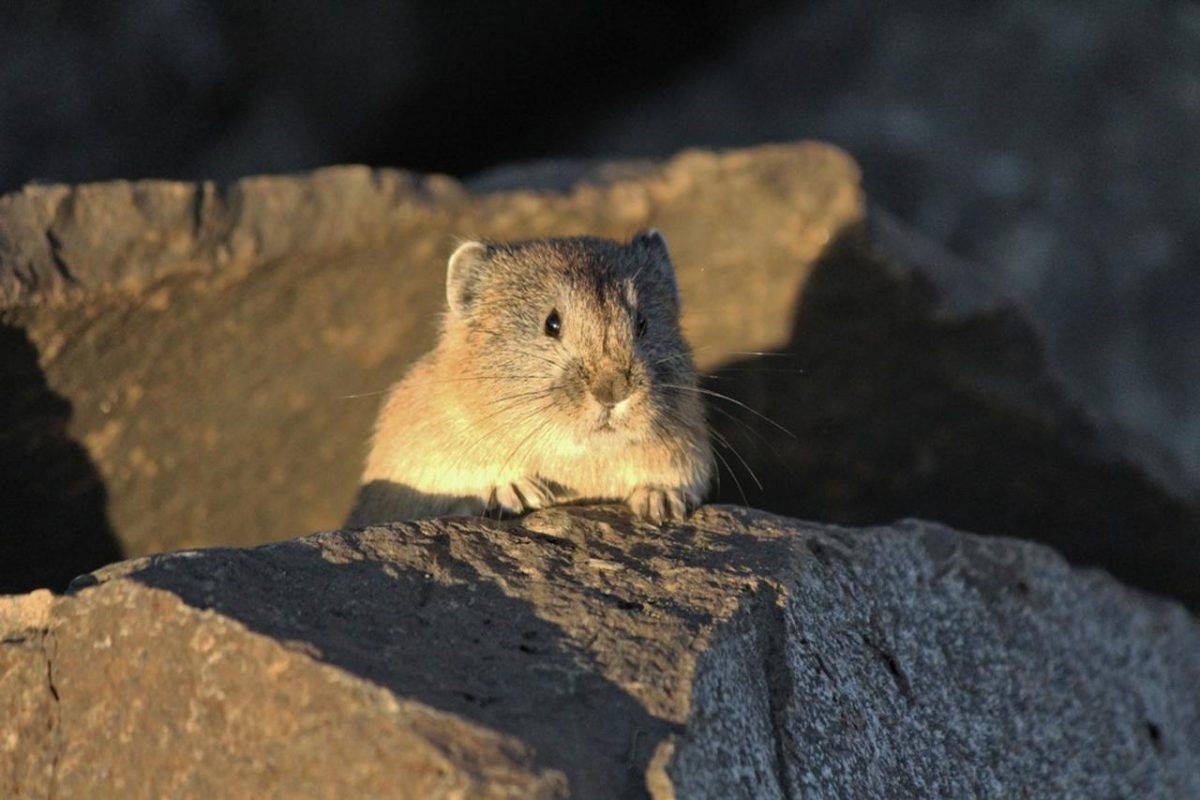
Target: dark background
1055 143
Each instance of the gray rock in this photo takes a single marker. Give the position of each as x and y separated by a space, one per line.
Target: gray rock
1052 142
578 651
198 365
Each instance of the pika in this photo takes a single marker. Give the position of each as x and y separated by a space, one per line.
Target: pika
560 376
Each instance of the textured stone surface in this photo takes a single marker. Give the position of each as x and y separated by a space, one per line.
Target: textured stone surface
578 651
129 691
911 388
188 359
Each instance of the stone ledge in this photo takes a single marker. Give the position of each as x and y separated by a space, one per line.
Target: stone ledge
738 655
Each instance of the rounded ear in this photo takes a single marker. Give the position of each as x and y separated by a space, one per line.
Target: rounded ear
463 272
651 242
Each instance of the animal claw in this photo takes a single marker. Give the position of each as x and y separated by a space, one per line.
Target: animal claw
523 494
658 505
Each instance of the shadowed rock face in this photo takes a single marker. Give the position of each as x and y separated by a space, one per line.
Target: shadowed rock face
577 651
1050 142
910 392
53 515
214 344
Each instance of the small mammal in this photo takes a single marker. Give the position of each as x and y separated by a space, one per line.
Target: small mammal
560 375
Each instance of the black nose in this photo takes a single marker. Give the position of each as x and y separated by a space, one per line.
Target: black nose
610 389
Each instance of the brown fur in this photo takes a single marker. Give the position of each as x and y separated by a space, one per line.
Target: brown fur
502 415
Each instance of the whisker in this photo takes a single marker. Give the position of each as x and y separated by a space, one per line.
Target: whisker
749 429
674 415
732 474
463 379
738 455
484 438
672 357
501 415
505 377
756 369
520 396
515 450
512 407
726 397
763 354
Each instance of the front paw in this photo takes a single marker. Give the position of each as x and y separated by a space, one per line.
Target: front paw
658 505
523 494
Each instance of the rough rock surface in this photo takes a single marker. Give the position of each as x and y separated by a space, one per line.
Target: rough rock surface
577 651
132 693
183 356
188 360
1050 141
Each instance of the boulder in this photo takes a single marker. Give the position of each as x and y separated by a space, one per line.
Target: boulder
194 364
578 652
1042 143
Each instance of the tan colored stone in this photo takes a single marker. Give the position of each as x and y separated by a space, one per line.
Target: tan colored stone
206 336
151 698
26 612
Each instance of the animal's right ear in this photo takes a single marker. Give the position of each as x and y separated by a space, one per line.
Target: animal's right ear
463 273
653 242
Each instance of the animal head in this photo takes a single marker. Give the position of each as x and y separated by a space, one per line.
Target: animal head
580 333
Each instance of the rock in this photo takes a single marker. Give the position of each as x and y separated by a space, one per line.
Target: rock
134 692
577 651
199 365
909 387
195 364
1051 143
26 612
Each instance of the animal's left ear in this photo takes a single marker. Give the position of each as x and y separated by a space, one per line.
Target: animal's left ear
652 243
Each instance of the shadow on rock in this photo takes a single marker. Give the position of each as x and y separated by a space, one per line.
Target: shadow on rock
53 504
899 406
455 642
386 500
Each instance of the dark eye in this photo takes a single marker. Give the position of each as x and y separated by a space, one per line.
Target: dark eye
553 325
641 326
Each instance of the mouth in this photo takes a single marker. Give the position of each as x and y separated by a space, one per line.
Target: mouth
605 423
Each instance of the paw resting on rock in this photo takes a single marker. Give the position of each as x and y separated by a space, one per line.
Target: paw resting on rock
524 494
658 505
